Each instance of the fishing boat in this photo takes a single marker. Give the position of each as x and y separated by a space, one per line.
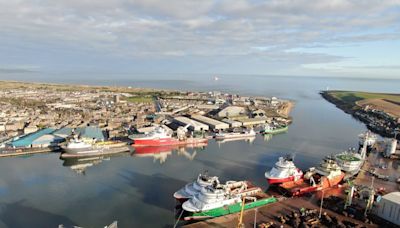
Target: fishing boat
160 137
328 174
191 189
283 171
231 135
274 129
218 200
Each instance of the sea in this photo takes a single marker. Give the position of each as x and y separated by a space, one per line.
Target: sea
136 189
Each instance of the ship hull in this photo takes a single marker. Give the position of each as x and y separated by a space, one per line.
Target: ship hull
238 136
301 187
229 209
68 153
272 180
276 131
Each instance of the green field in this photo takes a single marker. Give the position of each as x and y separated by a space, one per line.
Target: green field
353 96
140 99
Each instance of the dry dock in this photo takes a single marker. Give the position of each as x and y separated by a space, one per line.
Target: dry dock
271 213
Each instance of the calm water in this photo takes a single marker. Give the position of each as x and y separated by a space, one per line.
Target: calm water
39 191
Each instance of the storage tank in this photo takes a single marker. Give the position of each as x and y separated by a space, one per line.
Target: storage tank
391 147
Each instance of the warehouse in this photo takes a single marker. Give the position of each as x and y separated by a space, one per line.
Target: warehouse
388 208
253 121
212 123
232 123
194 125
41 138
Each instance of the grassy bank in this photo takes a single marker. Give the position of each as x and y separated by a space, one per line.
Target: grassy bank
351 97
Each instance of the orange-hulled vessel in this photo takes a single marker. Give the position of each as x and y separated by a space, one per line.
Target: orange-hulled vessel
328 174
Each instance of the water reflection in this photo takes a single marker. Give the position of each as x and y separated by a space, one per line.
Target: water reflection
79 165
248 140
161 153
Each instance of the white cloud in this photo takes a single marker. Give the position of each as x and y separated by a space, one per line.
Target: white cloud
158 28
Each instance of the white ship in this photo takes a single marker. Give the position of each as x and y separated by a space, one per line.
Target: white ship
80 147
231 135
191 189
218 195
284 171
368 138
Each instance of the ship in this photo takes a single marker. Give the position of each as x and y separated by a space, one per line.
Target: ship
160 137
350 161
283 171
327 175
219 200
77 147
367 138
191 189
274 129
232 135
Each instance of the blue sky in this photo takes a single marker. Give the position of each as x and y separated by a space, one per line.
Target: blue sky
346 38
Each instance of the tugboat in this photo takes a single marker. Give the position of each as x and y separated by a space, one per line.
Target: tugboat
160 137
218 200
367 138
191 189
327 175
284 171
274 129
231 135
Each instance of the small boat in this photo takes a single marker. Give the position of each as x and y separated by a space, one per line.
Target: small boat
160 137
218 200
327 175
191 189
232 135
274 129
283 171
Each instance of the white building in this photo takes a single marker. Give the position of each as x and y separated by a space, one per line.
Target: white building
388 208
212 123
194 125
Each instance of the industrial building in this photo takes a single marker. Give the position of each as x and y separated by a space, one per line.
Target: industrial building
194 125
41 138
232 123
232 111
388 208
253 121
212 123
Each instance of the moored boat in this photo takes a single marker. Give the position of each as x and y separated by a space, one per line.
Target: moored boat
83 147
368 138
350 161
274 129
231 135
218 200
325 176
283 171
191 189
160 137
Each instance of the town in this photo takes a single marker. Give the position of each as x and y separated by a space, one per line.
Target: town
47 114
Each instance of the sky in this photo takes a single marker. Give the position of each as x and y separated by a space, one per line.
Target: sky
345 38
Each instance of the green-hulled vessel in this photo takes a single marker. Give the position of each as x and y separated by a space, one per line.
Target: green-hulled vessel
229 209
268 129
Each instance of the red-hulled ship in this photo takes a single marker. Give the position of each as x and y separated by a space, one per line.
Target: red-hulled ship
327 175
284 171
160 137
